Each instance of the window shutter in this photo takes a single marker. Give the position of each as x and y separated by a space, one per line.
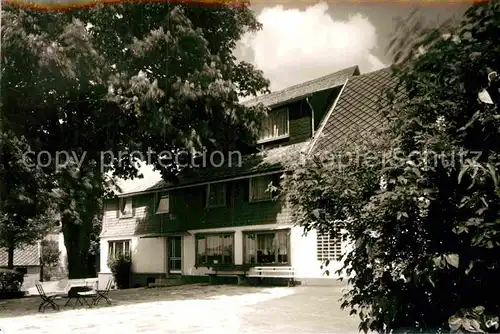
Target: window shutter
118 209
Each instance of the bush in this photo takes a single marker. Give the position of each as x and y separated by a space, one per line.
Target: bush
50 259
10 283
121 268
422 214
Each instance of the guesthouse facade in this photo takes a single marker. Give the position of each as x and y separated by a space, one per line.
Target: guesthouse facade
225 215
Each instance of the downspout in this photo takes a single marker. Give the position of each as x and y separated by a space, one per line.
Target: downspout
312 115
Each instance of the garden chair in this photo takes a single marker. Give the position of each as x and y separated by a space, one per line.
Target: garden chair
47 298
103 294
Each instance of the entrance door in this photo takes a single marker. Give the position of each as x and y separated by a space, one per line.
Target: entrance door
174 255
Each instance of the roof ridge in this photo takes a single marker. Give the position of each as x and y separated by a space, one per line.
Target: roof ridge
316 79
348 71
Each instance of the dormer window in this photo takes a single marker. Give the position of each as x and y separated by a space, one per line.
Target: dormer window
126 207
163 204
275 126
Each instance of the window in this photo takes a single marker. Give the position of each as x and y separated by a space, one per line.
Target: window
214 249
116 248
216 195
163 204
328 248
269 247
126 207
258 188
274 126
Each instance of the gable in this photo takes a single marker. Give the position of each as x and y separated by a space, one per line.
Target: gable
356 111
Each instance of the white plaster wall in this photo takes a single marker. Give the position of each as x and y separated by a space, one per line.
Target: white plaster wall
304 256
303 251
104 251
63 257
149 255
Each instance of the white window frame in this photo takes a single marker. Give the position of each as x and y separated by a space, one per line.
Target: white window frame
219 205
328 248
250 186
163 198
286 135
125 202
112 247
219 251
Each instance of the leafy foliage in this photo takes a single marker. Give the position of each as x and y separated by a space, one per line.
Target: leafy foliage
121 268
10 283
50 253
26 211
134 76
425 248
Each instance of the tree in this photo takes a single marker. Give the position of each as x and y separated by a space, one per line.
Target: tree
423 221
121 78
49 259
25 210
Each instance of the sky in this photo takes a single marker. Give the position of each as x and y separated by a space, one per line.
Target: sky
303 41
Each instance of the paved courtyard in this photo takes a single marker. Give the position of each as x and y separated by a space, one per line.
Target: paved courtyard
188 309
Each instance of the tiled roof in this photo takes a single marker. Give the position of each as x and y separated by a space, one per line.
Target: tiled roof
357 110
264 161
301 90
23 256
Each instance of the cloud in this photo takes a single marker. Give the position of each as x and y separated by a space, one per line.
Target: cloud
296 46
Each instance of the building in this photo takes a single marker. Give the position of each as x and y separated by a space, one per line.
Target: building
224 214
27 259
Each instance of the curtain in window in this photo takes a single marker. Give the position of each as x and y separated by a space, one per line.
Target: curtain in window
215 248
118 248
201 250
228 249
266 249
282 246
259 188
275 125
250 249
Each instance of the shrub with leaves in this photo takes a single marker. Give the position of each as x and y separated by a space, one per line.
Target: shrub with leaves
50 259
426 240
121 268
10 283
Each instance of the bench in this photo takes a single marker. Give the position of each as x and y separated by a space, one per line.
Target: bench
274 272
238 270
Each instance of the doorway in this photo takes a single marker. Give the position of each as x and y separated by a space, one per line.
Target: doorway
175 255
